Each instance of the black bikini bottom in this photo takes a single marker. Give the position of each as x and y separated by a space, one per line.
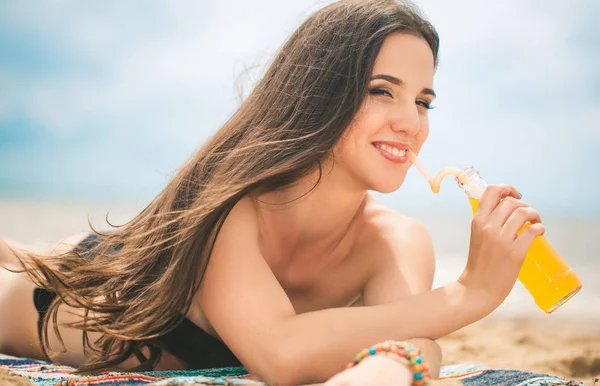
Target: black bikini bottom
188 342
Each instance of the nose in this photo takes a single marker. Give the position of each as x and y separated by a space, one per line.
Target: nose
405 118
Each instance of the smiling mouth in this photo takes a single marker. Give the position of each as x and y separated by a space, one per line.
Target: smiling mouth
394 151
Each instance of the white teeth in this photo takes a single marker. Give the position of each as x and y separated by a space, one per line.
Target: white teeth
392 150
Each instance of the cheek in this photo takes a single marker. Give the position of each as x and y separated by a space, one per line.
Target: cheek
422 137
341 148
348 144
353 146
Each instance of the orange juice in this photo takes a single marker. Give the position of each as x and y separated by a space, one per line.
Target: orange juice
544 273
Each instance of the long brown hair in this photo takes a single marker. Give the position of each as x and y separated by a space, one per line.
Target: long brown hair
283 130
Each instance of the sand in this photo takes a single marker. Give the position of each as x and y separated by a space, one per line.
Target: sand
13 380
564 346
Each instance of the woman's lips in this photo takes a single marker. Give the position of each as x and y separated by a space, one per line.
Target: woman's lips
391 153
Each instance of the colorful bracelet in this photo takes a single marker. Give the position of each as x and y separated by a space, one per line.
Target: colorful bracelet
403 350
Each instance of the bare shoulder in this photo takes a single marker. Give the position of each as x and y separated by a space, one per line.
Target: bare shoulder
399 253
243 213
382 227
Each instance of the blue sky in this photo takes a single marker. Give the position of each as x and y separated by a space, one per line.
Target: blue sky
104 100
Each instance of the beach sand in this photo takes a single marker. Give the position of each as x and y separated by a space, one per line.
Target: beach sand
567 347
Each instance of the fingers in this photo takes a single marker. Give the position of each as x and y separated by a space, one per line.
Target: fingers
526 237
492 196
517 220
504 210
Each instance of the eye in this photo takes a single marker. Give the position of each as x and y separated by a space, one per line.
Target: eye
380 91
424 103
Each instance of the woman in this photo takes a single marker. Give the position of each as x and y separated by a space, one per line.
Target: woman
255 251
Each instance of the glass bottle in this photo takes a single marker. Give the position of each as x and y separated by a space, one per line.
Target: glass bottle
544 273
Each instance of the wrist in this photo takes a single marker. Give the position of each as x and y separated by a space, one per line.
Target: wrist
387 357
476 300
400 364
403 351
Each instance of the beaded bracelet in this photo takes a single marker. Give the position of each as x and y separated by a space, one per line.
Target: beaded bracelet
403 350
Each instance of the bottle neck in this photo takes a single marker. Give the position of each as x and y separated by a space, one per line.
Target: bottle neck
471 182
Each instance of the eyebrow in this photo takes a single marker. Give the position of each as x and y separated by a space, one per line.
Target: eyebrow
399 82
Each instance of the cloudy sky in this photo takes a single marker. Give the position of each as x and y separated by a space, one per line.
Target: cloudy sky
104 100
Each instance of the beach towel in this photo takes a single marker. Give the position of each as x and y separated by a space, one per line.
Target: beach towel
47 374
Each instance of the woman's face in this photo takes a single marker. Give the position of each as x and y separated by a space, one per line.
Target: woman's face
393 117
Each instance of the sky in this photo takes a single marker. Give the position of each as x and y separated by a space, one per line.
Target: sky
105 100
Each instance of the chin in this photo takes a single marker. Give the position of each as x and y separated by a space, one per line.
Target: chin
387 185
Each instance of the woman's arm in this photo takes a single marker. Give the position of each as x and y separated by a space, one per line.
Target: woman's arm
402 254
253 315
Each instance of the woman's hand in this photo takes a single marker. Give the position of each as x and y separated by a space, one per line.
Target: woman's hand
374 370
496 252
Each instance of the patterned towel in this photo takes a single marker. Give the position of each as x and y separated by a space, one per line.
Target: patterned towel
473 375
48 374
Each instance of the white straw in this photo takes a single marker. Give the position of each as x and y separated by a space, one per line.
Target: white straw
413 158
